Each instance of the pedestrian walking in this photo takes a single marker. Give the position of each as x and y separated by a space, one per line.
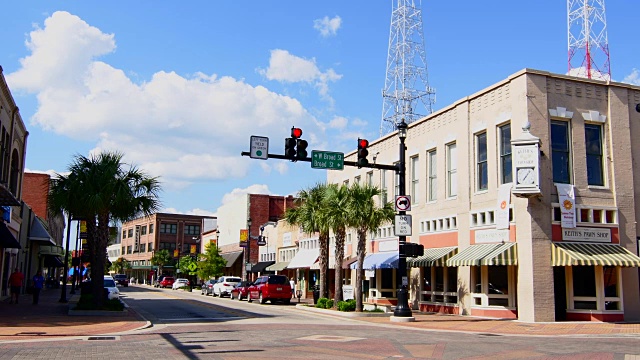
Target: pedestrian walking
15 283
293 287
38 282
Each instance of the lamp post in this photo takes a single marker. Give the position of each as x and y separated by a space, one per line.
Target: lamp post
247 251
63 295
402 309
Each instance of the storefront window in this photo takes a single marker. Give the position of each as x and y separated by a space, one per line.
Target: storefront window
611 294
452 284
386 278
426 284
584 281
476 279
498 280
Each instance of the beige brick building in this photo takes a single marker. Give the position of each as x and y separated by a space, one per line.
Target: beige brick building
569 252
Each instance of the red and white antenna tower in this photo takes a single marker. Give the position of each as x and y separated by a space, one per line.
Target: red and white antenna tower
406 94
588 44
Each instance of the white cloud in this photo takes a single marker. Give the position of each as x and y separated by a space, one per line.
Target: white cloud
327 27
338 122
285 67
180 128
253 189
633 78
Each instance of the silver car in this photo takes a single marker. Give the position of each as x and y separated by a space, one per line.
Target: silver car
224 285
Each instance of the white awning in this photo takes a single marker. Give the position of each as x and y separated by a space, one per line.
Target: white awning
304 258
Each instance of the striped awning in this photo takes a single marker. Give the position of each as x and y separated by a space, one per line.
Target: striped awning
570 254
486 254
433 257
279 266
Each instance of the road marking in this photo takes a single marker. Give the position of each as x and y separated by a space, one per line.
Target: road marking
330 338
204 318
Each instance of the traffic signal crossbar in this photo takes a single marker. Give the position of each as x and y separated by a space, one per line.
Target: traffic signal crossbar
346 163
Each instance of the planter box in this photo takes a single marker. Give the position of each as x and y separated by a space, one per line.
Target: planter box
340 313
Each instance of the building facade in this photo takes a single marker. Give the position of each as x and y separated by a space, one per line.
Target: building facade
179 234
564 248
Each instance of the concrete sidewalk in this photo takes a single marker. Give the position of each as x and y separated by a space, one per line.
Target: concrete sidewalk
50 319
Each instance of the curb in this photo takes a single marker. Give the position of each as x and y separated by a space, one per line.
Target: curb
348 314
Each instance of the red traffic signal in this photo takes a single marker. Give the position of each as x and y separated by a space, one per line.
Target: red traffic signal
296 133
363 152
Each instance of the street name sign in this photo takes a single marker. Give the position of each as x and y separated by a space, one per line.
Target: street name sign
327 160
259 147
402 225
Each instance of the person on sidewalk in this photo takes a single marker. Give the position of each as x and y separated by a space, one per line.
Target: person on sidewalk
292 283
15 283
38 282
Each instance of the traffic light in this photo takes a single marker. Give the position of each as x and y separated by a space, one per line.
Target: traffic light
290 148
413 250
294 147
301 150
363 152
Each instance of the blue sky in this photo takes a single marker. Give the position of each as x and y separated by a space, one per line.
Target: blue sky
179 87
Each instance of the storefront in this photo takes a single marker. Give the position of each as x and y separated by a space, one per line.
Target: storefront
438 288
380 278
305 278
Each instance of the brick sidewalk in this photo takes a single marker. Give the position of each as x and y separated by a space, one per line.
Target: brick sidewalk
50 319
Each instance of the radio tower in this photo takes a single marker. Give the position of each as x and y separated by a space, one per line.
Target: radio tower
588 44
406 92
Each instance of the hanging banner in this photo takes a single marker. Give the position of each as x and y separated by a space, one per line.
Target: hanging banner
176 253
244 237
83 229
504 202
192 249
567 200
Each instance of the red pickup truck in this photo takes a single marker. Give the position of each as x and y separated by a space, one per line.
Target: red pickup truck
270 288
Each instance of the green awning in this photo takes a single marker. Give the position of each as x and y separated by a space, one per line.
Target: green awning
51 250
433 257
279 266
486 254
231 258
572 254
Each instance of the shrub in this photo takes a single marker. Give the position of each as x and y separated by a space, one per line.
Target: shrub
349 305
329 304
322 303
376 310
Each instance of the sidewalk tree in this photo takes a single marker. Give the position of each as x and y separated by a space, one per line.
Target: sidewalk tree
120 265
365 215
337 216
101 189
161 258
308 213
210 264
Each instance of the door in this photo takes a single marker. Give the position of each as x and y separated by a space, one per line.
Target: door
560 292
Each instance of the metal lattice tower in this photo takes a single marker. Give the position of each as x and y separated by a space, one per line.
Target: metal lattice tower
406 92
588 44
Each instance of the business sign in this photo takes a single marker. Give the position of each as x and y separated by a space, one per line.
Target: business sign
567 200
504 202
491 236
347 292
587 234
388 245
286 239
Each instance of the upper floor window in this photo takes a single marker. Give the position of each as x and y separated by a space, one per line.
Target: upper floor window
433 175
505 154
124 234
150 228
150 247
168 228
130 233
356 180
415 178
482 176
452 170
560 151
370 178
383 186
143 230
396 183
593 143
192 229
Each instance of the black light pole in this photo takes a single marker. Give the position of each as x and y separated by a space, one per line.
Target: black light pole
63 295
402 309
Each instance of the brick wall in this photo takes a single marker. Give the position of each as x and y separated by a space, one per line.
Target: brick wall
34 192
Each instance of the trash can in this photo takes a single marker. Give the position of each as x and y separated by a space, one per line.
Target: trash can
316 293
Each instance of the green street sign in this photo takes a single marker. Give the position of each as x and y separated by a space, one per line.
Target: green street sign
327 160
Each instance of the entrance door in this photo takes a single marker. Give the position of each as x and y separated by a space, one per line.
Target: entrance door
560 292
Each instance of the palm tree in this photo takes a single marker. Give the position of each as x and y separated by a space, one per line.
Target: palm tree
365 215
161 258
309 214
337 215
100 191
120 265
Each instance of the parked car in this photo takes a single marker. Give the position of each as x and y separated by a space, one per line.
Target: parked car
121 279
207 287
110 286
241 290
270 288
166 282
224 285
178 283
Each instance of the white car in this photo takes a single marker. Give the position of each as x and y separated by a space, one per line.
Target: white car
224 285
180 282
110 285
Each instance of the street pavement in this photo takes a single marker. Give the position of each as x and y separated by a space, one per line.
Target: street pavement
49 319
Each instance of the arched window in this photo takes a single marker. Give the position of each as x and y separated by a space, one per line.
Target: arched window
15 172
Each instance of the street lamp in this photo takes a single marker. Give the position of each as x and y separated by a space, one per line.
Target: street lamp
402 309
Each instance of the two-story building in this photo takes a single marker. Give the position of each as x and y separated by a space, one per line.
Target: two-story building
565 249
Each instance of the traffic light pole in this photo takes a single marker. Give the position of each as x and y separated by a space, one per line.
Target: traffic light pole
346 163
402 308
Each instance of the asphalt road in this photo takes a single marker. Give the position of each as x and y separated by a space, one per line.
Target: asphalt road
191 326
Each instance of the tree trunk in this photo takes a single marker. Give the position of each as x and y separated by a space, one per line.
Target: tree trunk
99 249
362 251
324 264
339 255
